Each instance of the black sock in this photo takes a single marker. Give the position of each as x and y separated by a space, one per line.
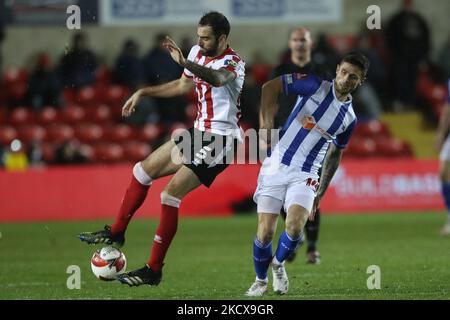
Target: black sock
283 214
312 231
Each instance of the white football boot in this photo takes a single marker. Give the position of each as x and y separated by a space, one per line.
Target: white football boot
280 279
446 229
258 288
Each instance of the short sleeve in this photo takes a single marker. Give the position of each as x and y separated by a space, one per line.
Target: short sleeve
300 84
191 57
233 64
343 138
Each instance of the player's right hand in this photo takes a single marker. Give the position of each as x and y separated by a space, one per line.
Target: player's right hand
130 106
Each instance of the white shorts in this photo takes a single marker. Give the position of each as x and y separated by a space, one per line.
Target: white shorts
287 186
445 152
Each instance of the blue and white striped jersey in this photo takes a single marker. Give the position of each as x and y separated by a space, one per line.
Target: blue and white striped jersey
317 119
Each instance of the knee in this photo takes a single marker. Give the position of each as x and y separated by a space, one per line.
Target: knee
265 234
294 227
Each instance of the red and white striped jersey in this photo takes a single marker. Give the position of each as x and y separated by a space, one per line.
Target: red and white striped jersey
218 108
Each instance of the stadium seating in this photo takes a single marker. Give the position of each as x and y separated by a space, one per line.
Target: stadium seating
59 132
136 151
7 134
30 133
92 115
47 116
20 116
108 152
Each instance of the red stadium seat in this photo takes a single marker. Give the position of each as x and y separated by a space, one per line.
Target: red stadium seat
88 152
7 134
136 151
361 148
73 114
48 152
87 96
108 152
392 147
372 129
47 116
191 112
59 132
149 133
3 114
20 116
116 95
15 93
99 114
176 126
191 96
120 133
30 133
89 133
261 72
103 75
15 75
70 95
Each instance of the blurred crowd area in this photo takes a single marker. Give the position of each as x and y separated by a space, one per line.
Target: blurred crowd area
69 111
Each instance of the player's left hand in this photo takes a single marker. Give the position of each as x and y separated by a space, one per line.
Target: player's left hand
174 51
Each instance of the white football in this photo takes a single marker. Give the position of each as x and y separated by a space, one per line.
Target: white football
108 262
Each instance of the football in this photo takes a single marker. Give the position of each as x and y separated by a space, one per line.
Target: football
108 262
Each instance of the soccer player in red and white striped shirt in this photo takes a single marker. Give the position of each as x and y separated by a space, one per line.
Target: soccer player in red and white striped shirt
217 74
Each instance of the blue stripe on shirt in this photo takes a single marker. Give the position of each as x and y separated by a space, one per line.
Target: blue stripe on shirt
309 161
301 135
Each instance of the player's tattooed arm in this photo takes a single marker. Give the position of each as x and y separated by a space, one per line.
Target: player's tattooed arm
330 165
216 78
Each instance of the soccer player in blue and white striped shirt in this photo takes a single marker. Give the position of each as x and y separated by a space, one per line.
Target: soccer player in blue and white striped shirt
443 146
315 134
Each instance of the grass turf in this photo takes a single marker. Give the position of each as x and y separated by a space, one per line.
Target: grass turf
211 258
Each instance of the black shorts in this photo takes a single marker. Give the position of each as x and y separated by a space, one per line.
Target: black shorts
205 153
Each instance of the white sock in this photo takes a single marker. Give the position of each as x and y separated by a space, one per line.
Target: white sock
140 175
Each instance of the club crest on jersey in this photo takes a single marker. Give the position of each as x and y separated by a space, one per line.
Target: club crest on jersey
299 76
308 122
230 62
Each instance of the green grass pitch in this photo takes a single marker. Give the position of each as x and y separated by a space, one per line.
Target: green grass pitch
211 258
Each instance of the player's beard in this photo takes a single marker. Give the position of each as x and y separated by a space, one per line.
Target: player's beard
211 52
344 90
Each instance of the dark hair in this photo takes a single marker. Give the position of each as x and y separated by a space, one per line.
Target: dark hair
217 21
357 59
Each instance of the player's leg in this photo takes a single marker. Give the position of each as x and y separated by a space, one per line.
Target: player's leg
298 204
158 164
289 241
184 181
312 235
268 211
444 174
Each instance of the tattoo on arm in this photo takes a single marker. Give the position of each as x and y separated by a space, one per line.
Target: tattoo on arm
216 78
331 163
